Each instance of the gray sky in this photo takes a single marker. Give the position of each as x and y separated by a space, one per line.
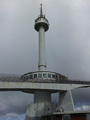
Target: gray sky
67 41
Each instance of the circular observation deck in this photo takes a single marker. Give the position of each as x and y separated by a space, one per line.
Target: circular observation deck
43 77
41 21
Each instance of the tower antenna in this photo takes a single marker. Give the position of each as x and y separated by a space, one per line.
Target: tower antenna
41 10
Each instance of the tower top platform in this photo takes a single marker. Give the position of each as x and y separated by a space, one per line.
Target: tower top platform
41 21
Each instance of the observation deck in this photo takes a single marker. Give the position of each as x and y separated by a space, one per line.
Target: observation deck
10 82
41 21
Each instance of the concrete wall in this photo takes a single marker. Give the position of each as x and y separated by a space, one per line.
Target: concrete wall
66 101
36 110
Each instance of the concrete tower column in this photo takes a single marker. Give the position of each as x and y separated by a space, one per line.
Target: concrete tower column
42 97
41 26
42 63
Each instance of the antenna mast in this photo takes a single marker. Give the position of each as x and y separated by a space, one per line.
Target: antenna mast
41 10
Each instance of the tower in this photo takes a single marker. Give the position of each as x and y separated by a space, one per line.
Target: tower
43 83
41 26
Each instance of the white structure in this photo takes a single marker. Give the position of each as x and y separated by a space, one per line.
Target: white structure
41 25
42 98
46 82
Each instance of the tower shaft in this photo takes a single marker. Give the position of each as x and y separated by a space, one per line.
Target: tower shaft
41 26
42 63
42 97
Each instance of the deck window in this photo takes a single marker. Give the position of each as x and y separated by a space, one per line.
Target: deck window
30 76
53 76
39 75
49 75
44 75
35 75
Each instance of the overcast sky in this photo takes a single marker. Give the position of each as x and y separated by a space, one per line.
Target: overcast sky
67 46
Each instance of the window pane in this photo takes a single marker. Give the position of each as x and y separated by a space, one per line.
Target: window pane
35 75
49 75
26 77
56 76
59 76
44 75
53 76
39 75
30 76
66 117
88 116
23 78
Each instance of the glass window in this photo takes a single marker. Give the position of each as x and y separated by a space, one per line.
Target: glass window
49 75
66 117
56 76
30 76
53 76
59 76
35 75
26 77
44 75
88 116
39 75
49 118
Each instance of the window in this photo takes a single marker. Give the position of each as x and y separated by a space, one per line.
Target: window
44 75
23 78
59 76
56 76
26 77
53 76
35 75
39 75
88 116
49 75
66 117
30 76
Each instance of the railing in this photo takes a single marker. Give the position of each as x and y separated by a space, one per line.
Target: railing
17 78
9 77
41 18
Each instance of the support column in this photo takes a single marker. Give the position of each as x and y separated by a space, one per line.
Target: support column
36 110
42 97
42 63
66 101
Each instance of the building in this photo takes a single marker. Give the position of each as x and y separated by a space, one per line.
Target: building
70 115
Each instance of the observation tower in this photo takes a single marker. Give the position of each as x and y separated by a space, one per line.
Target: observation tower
44 83
41 26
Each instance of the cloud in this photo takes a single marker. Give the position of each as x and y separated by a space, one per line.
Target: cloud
15 102
13 116
82 107
81 95
81 98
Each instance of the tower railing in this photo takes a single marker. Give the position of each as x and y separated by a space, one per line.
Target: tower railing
40 79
